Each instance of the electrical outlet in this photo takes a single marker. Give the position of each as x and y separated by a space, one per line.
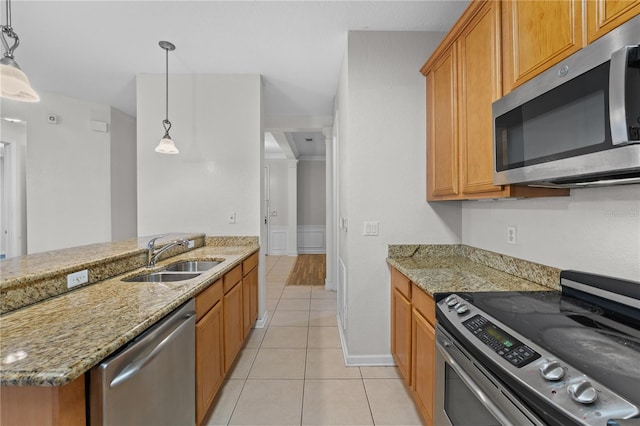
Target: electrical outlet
232 217
512 235
77 278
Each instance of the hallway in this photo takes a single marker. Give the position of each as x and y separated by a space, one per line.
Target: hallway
292 372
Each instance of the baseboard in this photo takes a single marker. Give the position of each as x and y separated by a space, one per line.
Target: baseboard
262 322
330 285
363 360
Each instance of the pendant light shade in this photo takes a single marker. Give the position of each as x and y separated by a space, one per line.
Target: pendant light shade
166 145
14 83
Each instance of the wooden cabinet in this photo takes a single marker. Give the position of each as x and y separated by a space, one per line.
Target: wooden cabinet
44 405
401 323
480 84
605 15
442 155
463 79
413 320
250 292
423 337
232 310
537 35
209 348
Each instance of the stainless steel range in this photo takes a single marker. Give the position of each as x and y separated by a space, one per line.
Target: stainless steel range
540 358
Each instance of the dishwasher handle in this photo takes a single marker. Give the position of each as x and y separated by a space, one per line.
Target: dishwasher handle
135 367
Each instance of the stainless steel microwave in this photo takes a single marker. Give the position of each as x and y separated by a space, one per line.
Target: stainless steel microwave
577 124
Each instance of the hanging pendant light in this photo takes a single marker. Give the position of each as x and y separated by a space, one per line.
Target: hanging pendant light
14 83
166 145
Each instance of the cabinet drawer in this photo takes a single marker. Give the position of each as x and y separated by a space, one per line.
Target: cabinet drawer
424 304
232 277
249 263
401 283
208 298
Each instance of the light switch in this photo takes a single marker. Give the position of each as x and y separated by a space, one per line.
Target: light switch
371 229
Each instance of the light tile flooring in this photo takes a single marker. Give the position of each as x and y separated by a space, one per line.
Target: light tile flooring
293 372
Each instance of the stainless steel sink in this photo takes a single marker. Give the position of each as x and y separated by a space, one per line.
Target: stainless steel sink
194 265
162 277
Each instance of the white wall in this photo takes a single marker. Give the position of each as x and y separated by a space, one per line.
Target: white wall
382 171
217 126
68 181
311 192
123 176
594 230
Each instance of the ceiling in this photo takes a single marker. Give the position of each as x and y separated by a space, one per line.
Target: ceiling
92 50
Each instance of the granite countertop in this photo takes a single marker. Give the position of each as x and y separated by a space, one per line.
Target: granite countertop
55 341
448 271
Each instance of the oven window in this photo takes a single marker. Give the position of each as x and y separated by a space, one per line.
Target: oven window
461 405
567 121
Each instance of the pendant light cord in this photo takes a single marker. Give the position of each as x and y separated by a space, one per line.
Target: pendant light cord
7 31
166 74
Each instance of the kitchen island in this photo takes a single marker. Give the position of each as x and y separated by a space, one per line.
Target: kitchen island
48 345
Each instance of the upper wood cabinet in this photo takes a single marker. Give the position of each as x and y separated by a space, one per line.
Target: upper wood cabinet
480 84
605 15
538 34
464 76
442 156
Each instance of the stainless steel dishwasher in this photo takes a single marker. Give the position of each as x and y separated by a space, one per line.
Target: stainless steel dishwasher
150 381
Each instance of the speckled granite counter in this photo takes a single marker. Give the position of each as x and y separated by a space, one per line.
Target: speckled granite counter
458 268
52 342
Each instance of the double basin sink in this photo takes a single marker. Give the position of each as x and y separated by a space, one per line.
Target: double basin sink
180 271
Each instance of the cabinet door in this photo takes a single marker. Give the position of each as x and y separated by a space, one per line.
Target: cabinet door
209 359
401 333
423 355
253 301
233 332
538 34
605 15
480 85
442 138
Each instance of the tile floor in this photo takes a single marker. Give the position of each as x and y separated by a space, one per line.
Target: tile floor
293 372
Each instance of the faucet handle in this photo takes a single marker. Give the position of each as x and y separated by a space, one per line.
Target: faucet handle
152 243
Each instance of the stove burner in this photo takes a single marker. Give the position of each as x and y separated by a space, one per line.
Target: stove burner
519 305
604 354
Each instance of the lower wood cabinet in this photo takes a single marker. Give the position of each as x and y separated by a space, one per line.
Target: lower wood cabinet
44 405
250 292
209 348
233 329
423 338
413 340
401 323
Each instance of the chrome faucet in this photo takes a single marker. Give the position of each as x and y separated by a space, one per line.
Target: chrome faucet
153 254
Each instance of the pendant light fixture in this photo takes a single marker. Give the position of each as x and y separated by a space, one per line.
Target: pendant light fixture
14 83
166 145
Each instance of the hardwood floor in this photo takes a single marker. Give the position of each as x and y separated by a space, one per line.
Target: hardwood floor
308 270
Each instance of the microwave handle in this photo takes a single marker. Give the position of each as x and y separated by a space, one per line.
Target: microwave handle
617 92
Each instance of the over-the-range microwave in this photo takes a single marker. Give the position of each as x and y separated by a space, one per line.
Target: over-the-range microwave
578 123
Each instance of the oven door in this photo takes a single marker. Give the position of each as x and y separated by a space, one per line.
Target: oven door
467 394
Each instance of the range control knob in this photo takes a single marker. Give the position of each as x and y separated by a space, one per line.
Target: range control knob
552 370
451 301
462 308
583 392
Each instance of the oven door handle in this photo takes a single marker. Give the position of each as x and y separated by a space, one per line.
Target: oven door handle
471 384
